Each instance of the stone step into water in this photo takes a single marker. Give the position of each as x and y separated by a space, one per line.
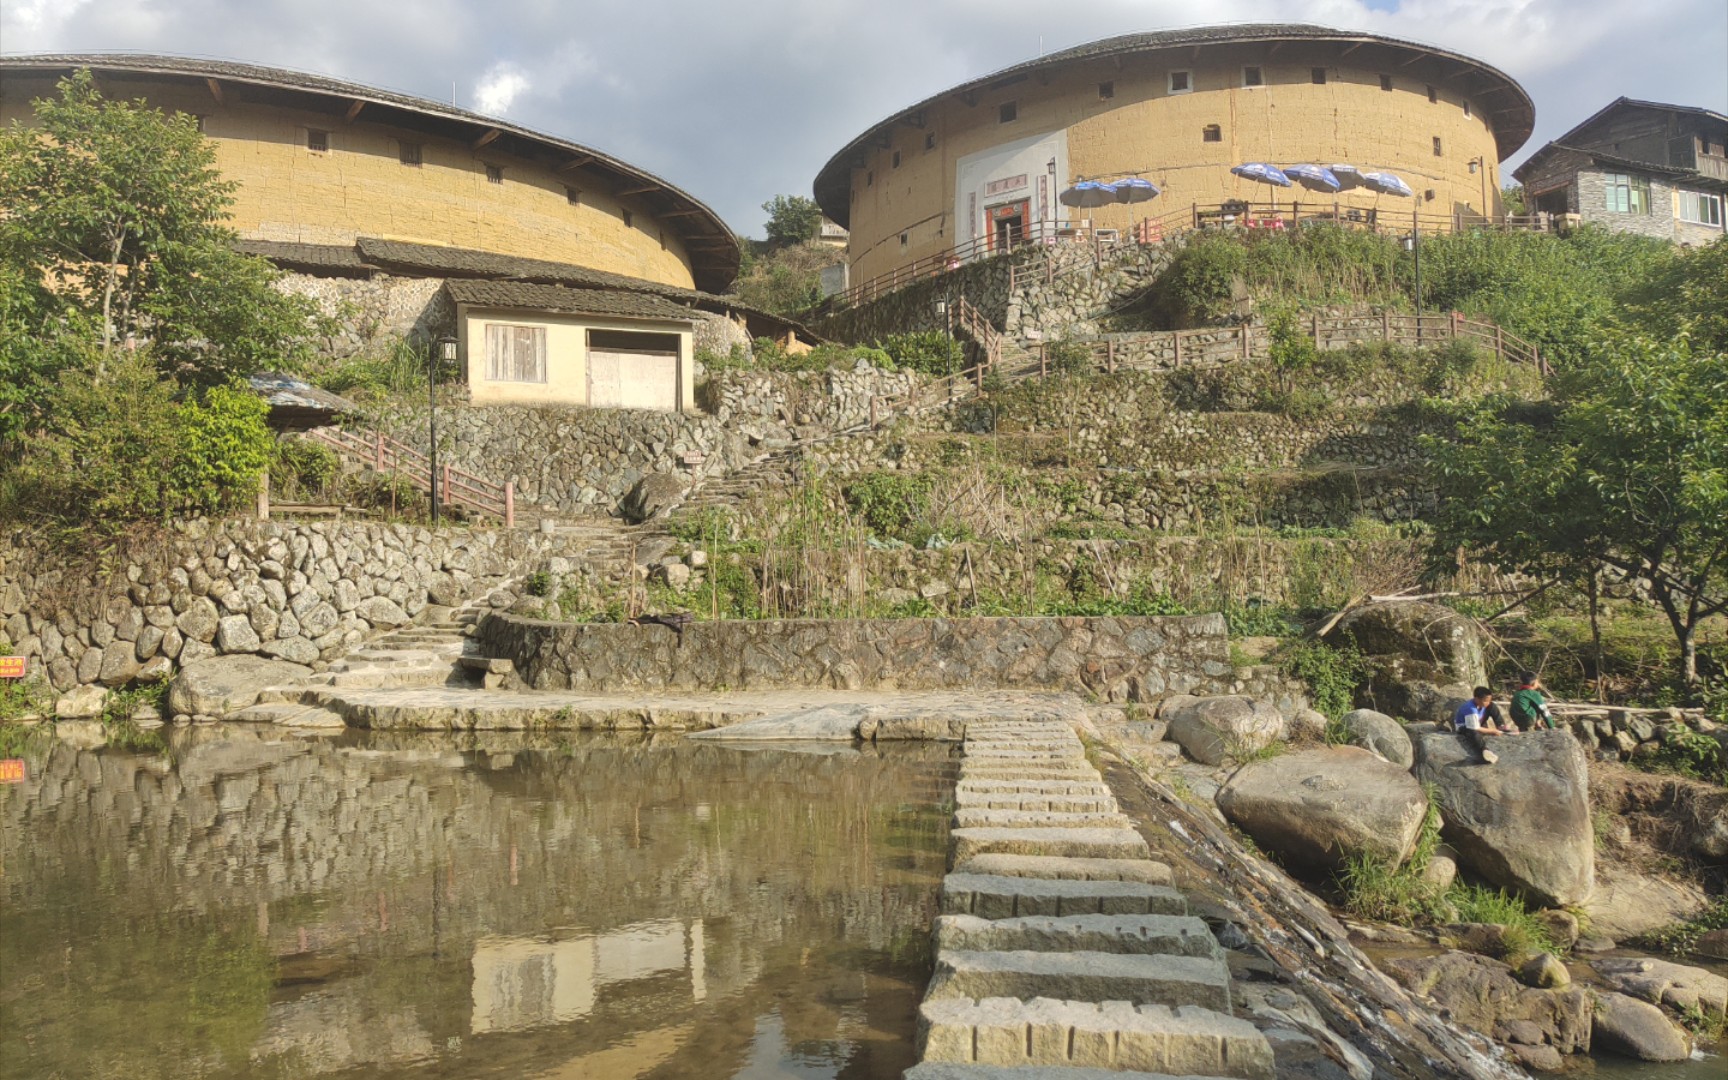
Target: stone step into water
1123 843
1185 1041
1073 869
948 1070
989 896
1078 771
1168 935
1043 787
1020 800
984 818
1083 976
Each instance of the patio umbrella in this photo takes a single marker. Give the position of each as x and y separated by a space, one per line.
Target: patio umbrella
1262 173
1088 194
1134 189
1314 178
1349 177
1386 184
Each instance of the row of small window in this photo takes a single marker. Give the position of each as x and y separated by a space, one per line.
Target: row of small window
1627 194
410 153
1182 82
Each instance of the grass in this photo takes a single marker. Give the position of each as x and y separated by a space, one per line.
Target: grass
1681 938
1525 934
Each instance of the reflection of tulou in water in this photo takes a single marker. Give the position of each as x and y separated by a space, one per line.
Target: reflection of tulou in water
609 880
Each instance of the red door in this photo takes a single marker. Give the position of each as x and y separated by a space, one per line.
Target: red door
1007 223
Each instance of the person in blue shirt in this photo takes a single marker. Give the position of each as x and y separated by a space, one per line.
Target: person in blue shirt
1475 720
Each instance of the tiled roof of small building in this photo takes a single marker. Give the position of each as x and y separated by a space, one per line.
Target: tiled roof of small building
323 256
527 296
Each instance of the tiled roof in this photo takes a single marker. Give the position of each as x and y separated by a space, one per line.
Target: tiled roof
833 183
336 256
467 261
288 392
530 297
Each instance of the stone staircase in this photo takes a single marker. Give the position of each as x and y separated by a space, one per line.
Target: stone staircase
1062 951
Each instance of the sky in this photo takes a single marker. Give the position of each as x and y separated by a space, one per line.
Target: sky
737 102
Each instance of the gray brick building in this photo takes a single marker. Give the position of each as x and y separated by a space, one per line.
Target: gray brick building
1638 167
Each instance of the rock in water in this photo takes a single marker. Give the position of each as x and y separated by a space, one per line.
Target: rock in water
1637 1029
1664 982
1483 996
654 495
223 684
1523 824
1379 733
1316 808
1215 729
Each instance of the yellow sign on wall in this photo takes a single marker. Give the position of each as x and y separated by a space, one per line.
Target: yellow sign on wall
13 667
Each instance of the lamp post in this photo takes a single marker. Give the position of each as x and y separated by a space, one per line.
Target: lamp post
443 351
1480 165
948 329
1413 244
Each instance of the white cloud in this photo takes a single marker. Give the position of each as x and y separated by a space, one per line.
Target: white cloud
499 88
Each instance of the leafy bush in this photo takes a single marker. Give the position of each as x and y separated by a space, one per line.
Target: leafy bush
1071 359
1332 674
1681 938
301 469
394 372
225 446
891 504
928 351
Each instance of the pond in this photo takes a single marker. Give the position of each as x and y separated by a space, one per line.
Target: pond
261 905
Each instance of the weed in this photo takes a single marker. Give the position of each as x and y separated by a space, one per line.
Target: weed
1682 938
1331 672
1375 889
1525 934
539 583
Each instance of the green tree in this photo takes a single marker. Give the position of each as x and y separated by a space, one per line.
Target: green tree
115 232
792 219
1625 471
1513 199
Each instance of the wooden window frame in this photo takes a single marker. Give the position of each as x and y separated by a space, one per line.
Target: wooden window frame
1212 133
509 369
1319 76
494 174
317 140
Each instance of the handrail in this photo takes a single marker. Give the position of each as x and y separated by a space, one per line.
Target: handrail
989 339
455 486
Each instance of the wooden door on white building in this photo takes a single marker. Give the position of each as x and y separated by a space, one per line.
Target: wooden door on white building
631 370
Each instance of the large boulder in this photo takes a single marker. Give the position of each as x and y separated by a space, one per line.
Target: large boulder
653 496
1216 729
1315 808
1380 733
223 684
1484 996
1664 982
1636 1029
1524 823
1420 655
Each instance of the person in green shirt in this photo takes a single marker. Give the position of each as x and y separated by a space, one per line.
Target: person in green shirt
1530 704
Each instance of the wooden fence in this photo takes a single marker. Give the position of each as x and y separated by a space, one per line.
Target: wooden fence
379 452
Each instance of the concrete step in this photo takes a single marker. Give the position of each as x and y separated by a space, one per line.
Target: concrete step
985 769
975 752
1187 1041
489 665
1147 871
984 785
1144 979
949 1070
1123 843
991 896
986 818
1168 935
1020 800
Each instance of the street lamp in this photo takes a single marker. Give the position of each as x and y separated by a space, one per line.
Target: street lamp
1480 164
948 329
1413 244
443 352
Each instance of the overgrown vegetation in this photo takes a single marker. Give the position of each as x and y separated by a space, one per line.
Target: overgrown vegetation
1332 673
1681 938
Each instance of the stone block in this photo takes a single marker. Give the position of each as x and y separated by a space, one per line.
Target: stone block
1073 843
991 896
1173 935
1082 976
1056 866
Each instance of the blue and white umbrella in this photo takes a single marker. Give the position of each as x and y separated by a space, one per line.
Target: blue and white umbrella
1386 184
1133 190
1314 178
1088 194
1262 173
1349 177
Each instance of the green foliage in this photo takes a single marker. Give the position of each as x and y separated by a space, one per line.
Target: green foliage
1199 282
1331 672
1255 619
1375 889
302 470
1681 938
391 374
117 711
1512 198
1292 347
1688 296
1688 753
928 351
224 447
1070 359
1525 934
792 219
539 583
891 504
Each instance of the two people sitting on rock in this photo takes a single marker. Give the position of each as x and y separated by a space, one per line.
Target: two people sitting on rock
1530 704
1478 718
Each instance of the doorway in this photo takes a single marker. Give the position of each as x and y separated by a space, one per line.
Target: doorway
1008 223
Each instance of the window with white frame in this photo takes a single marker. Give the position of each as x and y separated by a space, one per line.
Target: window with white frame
1181 82
1626 194
515 353
1700 208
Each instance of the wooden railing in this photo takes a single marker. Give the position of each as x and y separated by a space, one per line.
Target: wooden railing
379 452
980 330
1245 215
1218 345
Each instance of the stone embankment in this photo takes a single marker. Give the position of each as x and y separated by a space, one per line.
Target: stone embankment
1062 952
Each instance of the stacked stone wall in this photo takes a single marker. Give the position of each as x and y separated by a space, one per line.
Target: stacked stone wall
301 592
1118 659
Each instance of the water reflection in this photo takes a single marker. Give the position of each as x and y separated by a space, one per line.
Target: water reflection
255 905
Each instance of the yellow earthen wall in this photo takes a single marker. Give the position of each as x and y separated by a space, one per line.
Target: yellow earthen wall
566 357
361 188
1147 130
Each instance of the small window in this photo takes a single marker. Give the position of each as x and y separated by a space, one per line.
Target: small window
904 238
572 196
896 159
1626 194
317 141
1211 133
1437 151
870 178
1701 208
515 353
1385 82
1252 76
1433 96
629 219
1466 106
495 174
1318 75
1106 91
408 153
1181 82
1009 112
929 140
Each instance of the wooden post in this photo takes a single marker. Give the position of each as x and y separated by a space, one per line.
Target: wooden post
378 461
1385 325
1244 330
1043 360
872 412
1499 341
264 497
1110 355
1316 331
1196 210
509 504
444 485
1176 336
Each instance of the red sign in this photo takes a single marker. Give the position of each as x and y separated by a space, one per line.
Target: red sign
12 667
12 770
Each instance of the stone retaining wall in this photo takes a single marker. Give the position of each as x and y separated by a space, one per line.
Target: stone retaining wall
1116 659
300 592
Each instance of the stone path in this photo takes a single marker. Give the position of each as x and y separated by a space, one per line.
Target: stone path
1062 951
